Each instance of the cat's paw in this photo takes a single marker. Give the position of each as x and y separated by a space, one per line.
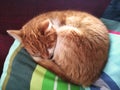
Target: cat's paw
37 59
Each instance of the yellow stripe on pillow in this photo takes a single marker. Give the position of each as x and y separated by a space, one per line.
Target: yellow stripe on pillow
37 78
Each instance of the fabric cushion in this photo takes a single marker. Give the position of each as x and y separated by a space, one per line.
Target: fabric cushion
21 72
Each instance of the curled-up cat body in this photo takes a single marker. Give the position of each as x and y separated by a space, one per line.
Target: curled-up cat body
72 44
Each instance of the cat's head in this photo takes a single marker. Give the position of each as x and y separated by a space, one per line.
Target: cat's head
38 39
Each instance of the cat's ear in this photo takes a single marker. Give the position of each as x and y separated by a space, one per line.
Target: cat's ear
16 34
46 26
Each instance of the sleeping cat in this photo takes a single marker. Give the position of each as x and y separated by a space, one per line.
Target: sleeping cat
72 44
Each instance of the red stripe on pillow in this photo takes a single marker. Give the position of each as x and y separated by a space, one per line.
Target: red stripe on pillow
114 32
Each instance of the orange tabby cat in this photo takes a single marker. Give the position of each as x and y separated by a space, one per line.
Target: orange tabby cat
72 44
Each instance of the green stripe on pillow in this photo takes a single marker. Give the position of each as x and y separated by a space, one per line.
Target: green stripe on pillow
48 82
61 84
75 87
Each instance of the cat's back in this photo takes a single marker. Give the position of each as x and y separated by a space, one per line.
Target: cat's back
73 18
